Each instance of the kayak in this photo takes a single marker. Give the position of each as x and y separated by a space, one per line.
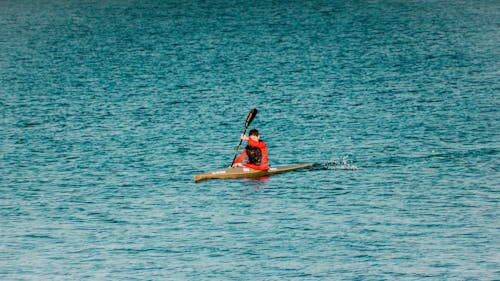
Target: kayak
244 172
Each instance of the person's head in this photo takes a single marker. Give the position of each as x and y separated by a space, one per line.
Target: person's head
254 134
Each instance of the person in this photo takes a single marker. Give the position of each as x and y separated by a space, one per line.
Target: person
256 151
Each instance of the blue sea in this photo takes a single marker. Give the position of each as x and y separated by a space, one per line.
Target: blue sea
108 109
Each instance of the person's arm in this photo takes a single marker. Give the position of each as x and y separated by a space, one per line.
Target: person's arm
241 157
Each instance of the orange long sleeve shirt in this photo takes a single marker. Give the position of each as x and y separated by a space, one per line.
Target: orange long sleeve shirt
264 164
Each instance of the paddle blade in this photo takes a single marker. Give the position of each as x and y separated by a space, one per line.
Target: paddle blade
250 117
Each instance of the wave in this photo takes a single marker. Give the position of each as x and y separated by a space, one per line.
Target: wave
342 164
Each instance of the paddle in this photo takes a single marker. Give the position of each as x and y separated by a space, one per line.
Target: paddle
250 117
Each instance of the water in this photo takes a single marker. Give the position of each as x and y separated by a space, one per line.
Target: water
109 108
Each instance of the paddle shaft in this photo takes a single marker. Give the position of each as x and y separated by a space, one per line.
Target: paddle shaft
250 117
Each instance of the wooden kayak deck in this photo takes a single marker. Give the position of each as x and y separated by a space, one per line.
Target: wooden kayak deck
243 172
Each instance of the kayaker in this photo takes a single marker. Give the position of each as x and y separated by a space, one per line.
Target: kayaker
256 151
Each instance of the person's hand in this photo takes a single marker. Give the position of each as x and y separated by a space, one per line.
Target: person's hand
243 137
